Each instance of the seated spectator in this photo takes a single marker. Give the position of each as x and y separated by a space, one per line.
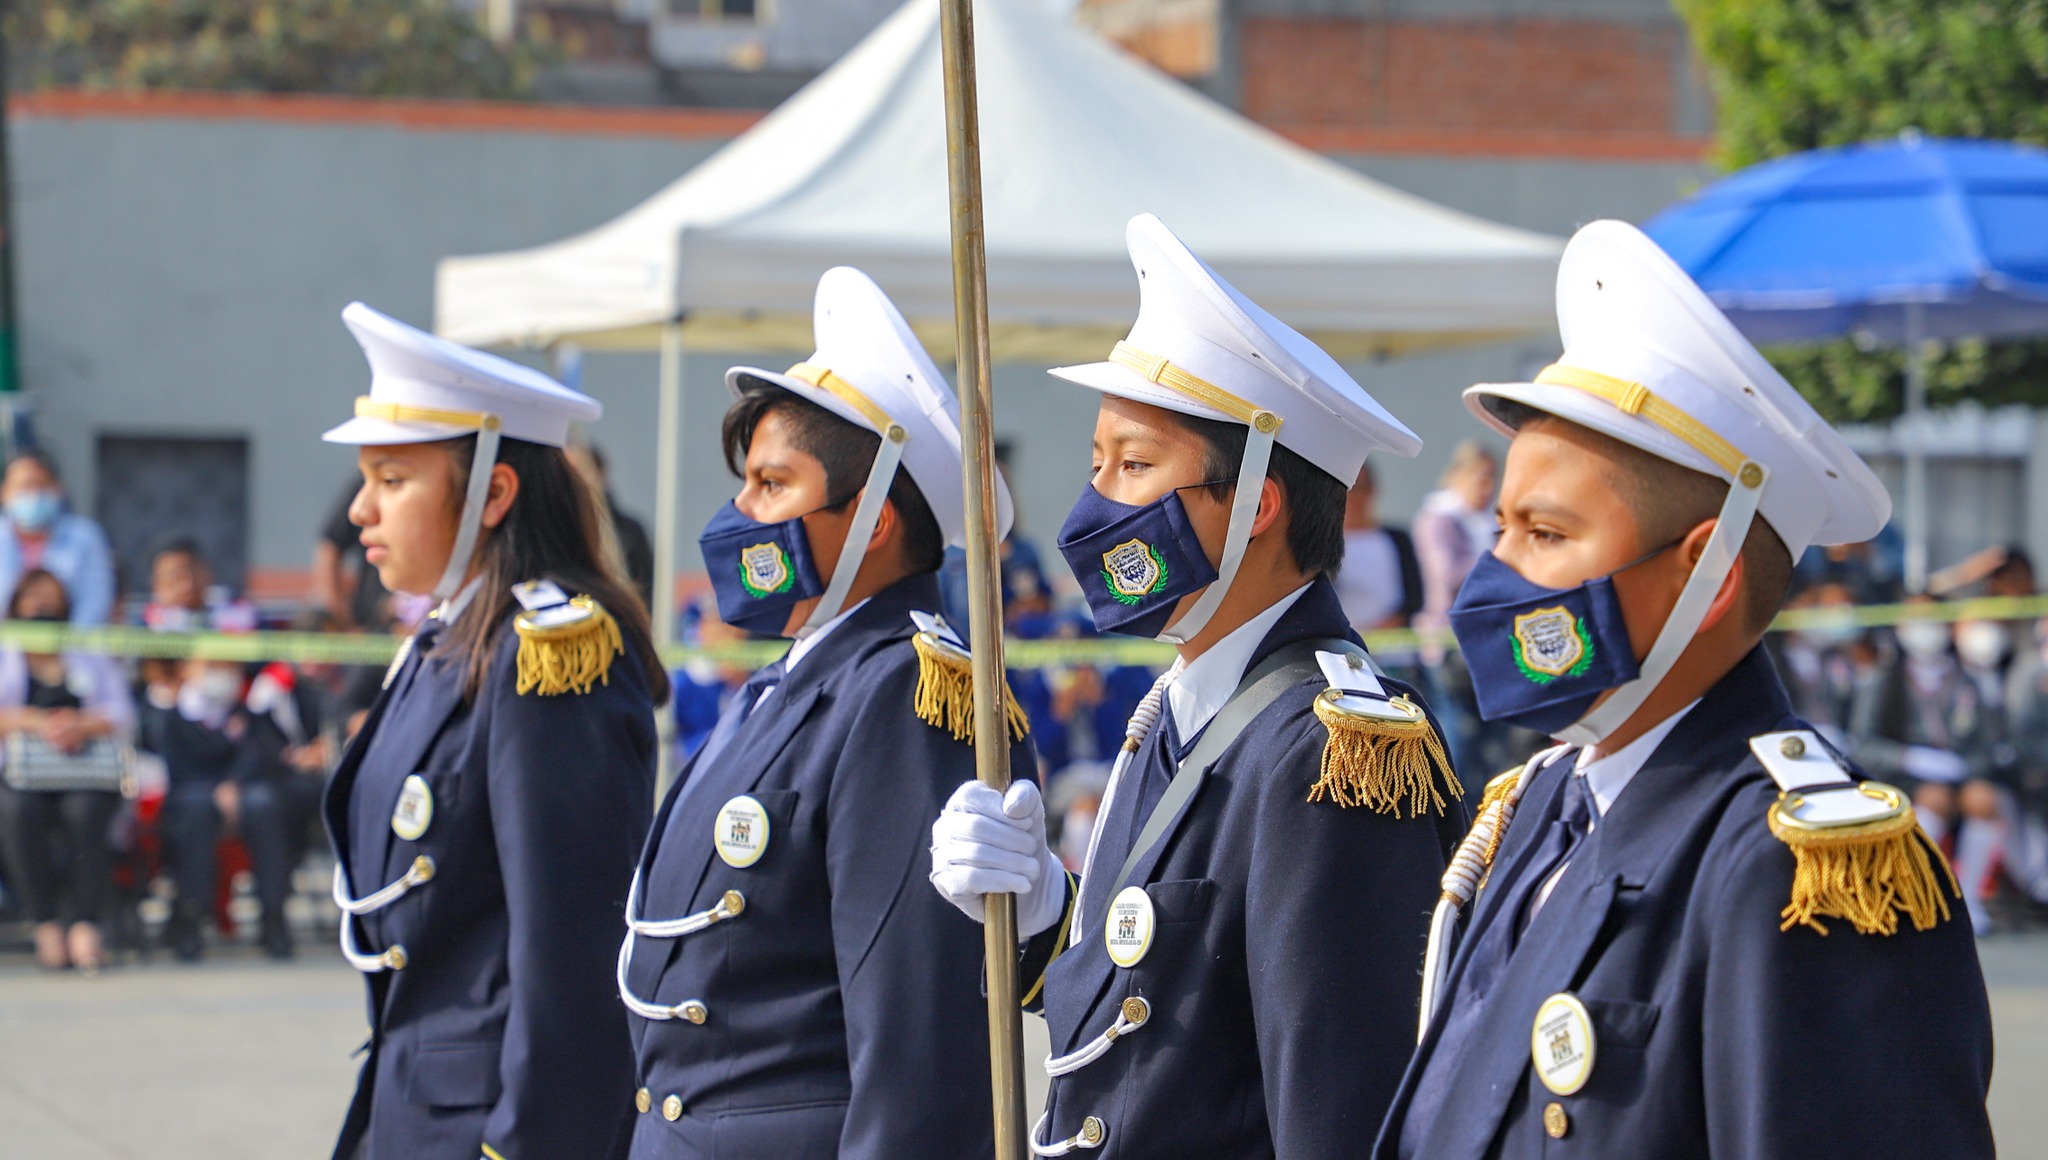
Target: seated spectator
291 755
223 763
2022 805
55 842
36 531
1828 661
184 598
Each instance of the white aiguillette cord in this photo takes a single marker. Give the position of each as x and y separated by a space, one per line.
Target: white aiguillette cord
1142 722
1461 881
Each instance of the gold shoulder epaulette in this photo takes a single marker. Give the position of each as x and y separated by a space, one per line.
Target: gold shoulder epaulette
1858 850
945 682
1382 753
565 646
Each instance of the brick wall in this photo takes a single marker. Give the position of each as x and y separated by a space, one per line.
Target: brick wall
1364 82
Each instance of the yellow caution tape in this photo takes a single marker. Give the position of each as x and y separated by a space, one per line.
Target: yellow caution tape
358 649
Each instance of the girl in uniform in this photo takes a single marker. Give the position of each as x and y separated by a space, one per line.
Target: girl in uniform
488 814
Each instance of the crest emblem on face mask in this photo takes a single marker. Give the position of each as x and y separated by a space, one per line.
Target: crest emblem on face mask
1133 570
1551 643
765 570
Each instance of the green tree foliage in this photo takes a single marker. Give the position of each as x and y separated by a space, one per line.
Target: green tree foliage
1792 75
417 48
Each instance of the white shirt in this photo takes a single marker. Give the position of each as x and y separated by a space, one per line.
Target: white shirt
452 607
1199 693
803 648
1607 775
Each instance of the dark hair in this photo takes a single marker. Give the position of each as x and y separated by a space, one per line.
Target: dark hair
553 531
1670 500
846 451
1314 497
178 546
41 458
36 576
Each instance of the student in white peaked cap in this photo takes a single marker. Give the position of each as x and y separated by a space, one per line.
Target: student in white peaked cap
485 817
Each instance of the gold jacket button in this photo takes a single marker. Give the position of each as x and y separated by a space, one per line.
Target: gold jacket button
1555 1122
395 958
423 868
1091 1131
695 1012
733 902
643 1099
672 1108
1136 1011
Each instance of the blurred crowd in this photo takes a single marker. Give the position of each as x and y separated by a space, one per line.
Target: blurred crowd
173 804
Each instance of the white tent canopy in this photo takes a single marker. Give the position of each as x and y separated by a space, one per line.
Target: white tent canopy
1076 139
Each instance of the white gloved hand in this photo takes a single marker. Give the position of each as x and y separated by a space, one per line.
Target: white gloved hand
1930 764
990 843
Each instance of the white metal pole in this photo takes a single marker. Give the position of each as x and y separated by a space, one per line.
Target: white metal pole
667 495
1916 448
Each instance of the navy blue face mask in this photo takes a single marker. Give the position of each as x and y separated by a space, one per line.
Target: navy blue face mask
1134 562
1540 657
760 572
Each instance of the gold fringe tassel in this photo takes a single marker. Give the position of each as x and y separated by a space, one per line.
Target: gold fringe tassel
569 658
945 692
1496 790
1868 874
1379 763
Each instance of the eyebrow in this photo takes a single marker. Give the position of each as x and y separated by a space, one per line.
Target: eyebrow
1538 507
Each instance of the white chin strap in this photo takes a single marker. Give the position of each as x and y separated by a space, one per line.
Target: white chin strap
1731 531
873 495
1244 509
470 523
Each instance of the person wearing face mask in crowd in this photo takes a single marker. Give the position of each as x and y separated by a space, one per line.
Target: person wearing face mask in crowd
1230 973
37 531
192 717
1697 930
1829 662
794 987
1935 724
54 843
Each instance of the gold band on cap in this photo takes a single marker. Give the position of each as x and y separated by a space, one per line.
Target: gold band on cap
1632 398
369 408
852 396
1156 369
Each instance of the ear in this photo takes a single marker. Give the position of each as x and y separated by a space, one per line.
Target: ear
498 500
1269 506
885 525
1730 594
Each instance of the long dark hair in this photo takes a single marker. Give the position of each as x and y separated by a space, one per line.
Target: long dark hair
554 530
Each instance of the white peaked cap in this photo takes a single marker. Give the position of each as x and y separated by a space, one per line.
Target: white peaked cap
1192 322
870 370
424 388
1650 361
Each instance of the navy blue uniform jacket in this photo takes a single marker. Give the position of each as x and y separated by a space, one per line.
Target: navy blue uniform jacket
1715 1033
1285 959
503 1029
845 1014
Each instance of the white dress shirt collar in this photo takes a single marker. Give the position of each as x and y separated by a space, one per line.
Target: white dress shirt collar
1607 775
448 610
811 640
1207 682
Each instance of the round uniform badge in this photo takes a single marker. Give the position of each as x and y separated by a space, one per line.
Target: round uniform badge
415 809
1127 931
1561 1043
740 832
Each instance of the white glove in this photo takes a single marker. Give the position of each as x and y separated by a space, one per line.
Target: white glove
990 843
1930 764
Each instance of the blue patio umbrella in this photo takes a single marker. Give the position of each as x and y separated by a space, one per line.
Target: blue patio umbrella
1893 242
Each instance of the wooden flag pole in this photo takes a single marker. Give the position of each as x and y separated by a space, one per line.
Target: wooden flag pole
984 591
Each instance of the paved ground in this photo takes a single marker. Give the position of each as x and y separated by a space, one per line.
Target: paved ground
239 1059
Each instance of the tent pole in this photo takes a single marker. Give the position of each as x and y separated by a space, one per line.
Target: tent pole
984 593
667 485
1916 448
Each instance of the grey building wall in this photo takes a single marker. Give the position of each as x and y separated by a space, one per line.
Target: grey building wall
184 277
